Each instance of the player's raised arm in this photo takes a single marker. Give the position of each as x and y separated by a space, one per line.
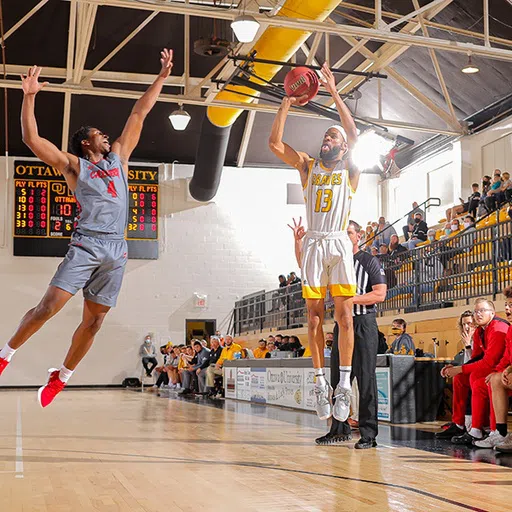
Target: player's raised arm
283 151
45 150
347 121
129 139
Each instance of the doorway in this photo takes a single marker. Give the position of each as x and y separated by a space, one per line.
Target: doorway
201 329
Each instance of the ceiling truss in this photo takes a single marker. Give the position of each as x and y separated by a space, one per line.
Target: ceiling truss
77 80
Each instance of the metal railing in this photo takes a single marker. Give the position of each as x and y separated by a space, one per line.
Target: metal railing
471 264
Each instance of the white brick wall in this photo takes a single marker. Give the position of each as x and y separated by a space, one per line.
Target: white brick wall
228 248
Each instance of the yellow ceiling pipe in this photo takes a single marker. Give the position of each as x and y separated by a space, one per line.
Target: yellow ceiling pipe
274 44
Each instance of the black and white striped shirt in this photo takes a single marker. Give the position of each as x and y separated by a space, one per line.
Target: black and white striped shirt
368 274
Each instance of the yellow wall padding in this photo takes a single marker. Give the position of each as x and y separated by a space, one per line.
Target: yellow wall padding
274 44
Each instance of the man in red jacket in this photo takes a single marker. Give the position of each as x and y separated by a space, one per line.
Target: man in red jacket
500 384
488 349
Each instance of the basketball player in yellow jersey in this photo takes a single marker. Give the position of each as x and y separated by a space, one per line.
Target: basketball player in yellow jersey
329 184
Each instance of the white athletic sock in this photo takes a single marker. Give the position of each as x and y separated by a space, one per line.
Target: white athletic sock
7 352
476 432
65 374
345 372
467 421
460 426
320 377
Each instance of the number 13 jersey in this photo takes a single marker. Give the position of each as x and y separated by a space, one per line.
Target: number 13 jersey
328 196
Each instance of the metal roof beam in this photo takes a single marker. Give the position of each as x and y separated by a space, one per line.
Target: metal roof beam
383 35
174 98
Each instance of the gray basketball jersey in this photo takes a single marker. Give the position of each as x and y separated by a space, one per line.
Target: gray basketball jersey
102 197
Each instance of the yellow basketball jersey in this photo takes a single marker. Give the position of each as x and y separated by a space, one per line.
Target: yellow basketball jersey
328 196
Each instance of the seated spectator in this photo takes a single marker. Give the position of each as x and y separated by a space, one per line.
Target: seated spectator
374 251
148 354
403 344
202 373
278 340
486 185
384 233
227 354
383 250
295 346
471 376
260 352
505 190
190 375
470 206
490 200
285 344
272 350
419 232
431 236
271 339
409 228
395 247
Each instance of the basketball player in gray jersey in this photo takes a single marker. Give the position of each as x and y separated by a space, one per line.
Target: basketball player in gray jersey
97 173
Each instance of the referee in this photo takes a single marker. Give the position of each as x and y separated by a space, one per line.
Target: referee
371 289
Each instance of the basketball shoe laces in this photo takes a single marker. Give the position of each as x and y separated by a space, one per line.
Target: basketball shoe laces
55 385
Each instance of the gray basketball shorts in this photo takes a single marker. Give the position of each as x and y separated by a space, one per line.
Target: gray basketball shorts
94 264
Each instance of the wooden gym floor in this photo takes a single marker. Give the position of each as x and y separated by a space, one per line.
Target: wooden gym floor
119 450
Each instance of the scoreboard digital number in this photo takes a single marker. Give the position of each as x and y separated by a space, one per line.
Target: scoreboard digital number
45 211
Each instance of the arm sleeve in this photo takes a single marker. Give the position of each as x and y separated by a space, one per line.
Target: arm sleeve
376 274
222 357
492 355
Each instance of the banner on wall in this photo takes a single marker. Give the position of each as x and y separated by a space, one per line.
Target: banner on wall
285 386
243 384
258 388
383 393
230 382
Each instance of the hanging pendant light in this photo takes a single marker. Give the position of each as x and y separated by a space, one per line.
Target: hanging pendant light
245 28
179 119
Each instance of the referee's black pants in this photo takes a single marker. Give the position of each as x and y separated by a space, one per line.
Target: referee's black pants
364 362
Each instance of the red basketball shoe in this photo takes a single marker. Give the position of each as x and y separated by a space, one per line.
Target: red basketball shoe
51 389
3 364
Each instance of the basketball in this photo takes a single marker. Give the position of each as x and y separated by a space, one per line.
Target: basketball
301 81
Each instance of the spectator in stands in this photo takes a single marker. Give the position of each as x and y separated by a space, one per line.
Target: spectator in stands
447 231
329 337
403 343
488 349
500 383
295 346
271 349
431 236
374 251
384 232
172 367
148 354
191 374
490 200
213 357
383 249
419 232
395 247
486 185
293 279
271 339
409 228
282 281
430 272
470 206
278 340
506 185
285 344
261 351
227 354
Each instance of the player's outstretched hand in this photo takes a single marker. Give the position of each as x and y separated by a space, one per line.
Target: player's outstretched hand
327 79
166 62
295 101
298 229
30 81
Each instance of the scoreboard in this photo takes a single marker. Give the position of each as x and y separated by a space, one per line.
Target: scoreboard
45 211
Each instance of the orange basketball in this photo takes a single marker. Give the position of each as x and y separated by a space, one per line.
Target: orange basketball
301 81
